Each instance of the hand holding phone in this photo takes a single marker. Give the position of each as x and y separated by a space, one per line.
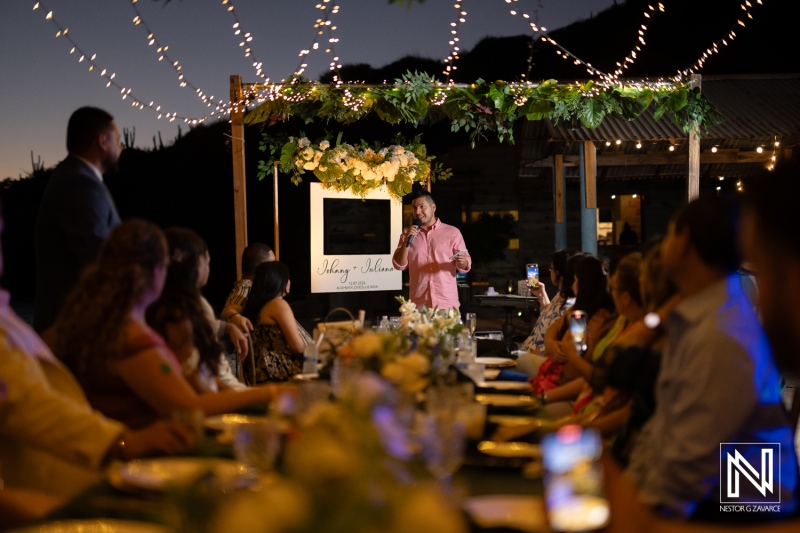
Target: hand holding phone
455 255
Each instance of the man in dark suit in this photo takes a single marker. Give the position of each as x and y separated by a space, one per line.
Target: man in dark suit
77 212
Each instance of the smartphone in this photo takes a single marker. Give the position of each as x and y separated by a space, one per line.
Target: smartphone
573 480
455 255
532 274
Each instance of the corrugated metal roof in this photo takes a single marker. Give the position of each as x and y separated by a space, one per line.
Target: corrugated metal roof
753 106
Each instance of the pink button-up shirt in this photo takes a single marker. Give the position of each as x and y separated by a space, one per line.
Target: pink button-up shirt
432 275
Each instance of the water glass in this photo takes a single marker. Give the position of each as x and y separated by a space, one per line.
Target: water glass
443 445
256 444
577 328
394 323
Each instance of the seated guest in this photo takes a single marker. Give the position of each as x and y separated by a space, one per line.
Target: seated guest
550 311
278 340
625 290
255 254
717 383
179 315
592 297
51 441
127 370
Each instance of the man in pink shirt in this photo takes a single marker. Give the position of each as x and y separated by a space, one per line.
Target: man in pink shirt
435 253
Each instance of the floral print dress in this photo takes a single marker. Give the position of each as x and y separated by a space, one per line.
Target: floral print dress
275 361
556 309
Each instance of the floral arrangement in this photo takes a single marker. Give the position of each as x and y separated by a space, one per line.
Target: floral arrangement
358 168
486 107
429 326
349 466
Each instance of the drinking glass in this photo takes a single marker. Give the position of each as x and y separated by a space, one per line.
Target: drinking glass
577 328
472 323
256 444
443 444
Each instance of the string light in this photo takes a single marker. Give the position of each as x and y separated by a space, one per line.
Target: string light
162 51
454 40
124 92
320 25
245 41
631 57
713 149
719 43
638 144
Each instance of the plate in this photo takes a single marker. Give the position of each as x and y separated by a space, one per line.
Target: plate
162 473
509 449
306 377
512 420
491 373
230 421
507 385
506 400
525 513
496 362
103 525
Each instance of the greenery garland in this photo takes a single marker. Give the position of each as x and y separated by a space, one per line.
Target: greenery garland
360 169
485 107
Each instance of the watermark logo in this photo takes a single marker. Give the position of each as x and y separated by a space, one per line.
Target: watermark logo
747 473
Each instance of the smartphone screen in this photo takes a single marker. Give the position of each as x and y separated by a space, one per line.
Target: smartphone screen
573 480
532 274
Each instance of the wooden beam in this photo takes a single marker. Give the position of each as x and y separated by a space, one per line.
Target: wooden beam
590 160
237 154
693 177
619 159
276 213
560 186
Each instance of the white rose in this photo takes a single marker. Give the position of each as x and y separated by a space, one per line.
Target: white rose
307 154
311 165
324 145
304 142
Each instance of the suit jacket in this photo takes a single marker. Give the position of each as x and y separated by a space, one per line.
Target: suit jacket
75 216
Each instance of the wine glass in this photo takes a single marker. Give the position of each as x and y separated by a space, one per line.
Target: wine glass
472 322
577 328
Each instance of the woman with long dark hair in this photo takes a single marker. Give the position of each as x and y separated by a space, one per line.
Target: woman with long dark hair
278 340
127 370
178 315
592 297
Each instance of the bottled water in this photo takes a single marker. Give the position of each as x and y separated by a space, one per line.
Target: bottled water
384 326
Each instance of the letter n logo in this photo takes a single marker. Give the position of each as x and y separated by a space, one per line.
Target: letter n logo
747 472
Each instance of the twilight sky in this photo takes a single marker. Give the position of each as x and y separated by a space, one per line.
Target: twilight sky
41 84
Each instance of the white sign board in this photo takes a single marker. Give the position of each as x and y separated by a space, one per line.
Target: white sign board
352 241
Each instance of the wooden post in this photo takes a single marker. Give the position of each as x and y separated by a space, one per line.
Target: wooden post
693 178
588 214
590 163
275 208
237 153
560 198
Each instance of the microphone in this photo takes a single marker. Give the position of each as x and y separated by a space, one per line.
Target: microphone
417 223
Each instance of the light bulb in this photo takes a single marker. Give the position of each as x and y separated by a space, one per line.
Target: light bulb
759 149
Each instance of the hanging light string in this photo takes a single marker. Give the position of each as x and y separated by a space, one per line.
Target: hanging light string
454 40
331 48
319 25
162 51
716 45
631 57
125 92
246 39
562 51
